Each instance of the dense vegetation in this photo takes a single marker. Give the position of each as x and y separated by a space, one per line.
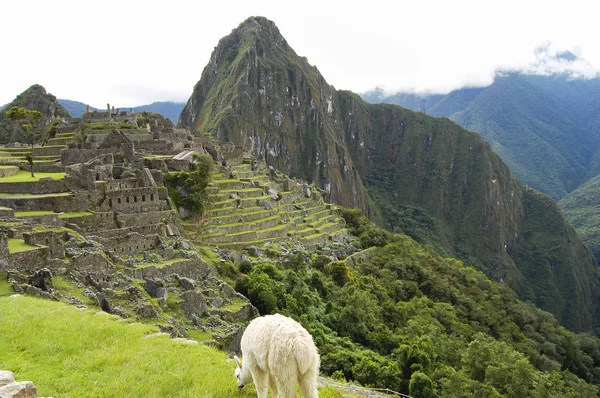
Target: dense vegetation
397 315
187 189
582 208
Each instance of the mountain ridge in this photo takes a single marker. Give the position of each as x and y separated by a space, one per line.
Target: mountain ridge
394 164
168 109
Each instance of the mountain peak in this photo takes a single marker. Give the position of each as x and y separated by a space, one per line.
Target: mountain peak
36 98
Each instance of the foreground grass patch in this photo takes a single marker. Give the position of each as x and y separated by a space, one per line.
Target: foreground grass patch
70 353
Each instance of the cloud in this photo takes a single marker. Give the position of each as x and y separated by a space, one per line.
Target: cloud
551 60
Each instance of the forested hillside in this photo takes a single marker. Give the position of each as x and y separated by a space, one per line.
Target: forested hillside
410 172
582 208
400 316
544 127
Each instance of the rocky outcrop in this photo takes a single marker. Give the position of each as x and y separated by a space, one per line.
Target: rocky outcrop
34 98
9 388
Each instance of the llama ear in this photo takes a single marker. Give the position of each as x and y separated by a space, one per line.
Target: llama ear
238 361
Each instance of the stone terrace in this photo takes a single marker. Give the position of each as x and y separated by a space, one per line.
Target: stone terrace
252 209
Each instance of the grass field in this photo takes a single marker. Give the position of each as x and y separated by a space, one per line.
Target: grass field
67 352
25 176
18 245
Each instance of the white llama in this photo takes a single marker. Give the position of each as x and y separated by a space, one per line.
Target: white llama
278 352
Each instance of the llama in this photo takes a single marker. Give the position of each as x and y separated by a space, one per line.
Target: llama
278 352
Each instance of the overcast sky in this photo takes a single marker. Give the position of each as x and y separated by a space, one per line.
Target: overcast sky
131 53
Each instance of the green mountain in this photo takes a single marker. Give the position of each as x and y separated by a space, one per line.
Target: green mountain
582 209
544 127
168 109
410 172
34 98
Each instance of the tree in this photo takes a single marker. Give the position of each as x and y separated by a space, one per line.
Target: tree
30 125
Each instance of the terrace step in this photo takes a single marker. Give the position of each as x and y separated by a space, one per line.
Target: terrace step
230 184
243 216
224 211
243 202
327 228
242 193
258 224
243 244
298 233
274 232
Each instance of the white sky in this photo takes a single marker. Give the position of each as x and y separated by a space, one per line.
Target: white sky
131 53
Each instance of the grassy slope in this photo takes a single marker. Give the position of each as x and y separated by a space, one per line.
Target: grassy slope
71 353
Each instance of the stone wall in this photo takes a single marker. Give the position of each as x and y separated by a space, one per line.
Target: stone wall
134 200
49 238
3 245
70 156
32 187
77 201
136 219
47 150
178 165
157 147
29 260
8 170
41 167
91 262
131 244
6 212
195 268
44 219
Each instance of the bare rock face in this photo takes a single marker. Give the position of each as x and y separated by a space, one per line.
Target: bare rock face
290 114
9 388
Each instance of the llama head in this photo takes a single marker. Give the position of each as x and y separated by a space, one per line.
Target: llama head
242 373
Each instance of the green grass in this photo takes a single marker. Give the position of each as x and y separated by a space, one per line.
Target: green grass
25 176
75 214
64 285
70 353
19 245
33 213
5 288
162 264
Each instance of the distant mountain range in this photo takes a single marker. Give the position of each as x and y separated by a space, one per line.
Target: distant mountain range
169 110
546 128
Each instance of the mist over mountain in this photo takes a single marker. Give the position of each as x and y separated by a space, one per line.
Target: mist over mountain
410 172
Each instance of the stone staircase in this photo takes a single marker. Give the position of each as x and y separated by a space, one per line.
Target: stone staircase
251 209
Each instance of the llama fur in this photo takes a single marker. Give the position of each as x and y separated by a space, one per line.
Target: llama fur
277 352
